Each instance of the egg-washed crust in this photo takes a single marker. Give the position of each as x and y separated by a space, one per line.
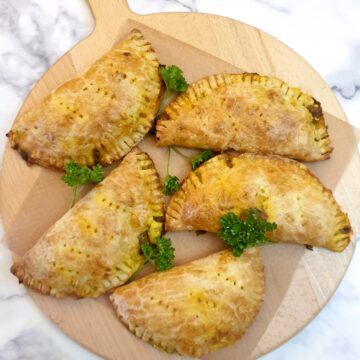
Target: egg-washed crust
98 116
95 246
283 189
195 308
248 113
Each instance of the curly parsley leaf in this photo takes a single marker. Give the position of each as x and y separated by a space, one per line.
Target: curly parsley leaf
171 185
196 160
80 175
161 255
240 233
76 175
173 78
174 83
201 158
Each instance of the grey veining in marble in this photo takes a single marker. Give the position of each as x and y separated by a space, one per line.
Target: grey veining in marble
32 38
149 7
31 342
35 33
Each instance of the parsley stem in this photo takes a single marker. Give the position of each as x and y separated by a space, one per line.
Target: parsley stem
73 196
131 278
186 157
165 100
168 160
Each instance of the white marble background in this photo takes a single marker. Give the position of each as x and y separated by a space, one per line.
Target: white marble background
34 33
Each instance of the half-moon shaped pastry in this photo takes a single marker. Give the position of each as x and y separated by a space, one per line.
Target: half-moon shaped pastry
248 113
195 308
284 190
98 116
95 246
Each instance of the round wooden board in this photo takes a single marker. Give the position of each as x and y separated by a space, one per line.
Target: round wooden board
298 282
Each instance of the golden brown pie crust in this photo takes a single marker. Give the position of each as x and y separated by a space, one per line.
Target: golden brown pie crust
195 308
95 245
247 113
98 116
285 190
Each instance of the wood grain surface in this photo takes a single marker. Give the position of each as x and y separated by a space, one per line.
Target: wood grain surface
299 282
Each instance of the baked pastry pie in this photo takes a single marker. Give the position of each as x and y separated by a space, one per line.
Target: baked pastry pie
248 113
195 308
95 246
98 116
284 190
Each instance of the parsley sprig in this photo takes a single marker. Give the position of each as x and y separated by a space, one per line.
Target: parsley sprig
196 160
76 175
240 233
174 83
160 254
173 78
171 183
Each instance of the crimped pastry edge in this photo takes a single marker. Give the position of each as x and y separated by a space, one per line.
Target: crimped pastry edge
194 351
158 201
126 144
205 86
338 243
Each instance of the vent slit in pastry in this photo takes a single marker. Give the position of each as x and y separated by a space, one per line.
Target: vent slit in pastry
291 196
247 113
95 245
195 308
98 116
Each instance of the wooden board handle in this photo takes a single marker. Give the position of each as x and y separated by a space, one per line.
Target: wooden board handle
104 10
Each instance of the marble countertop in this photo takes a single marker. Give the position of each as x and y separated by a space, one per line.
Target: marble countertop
34 33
